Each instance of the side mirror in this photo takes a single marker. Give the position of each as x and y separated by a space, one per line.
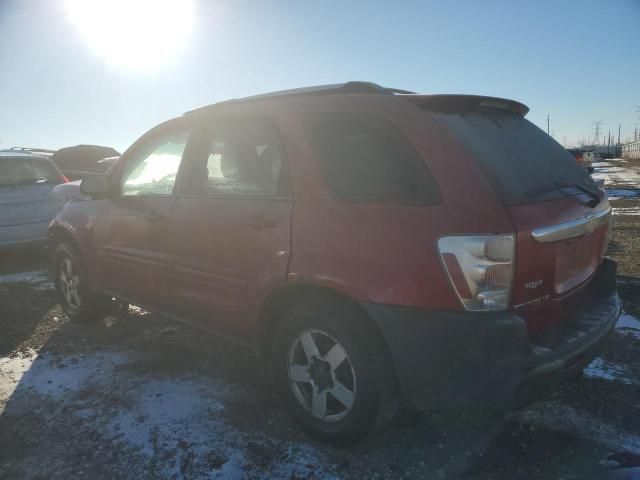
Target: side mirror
98 184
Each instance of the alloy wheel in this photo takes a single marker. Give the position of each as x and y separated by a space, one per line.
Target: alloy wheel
69 280
321 375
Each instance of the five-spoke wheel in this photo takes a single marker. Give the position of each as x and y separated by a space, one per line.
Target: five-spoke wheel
322 376
331 370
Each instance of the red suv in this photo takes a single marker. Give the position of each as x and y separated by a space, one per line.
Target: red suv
379 249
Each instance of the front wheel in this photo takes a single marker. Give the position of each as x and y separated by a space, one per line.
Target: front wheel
331 372
72 285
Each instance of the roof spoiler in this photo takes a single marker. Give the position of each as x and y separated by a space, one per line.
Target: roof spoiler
347 87
466 103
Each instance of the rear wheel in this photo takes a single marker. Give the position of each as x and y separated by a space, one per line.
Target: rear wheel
331 372
73 287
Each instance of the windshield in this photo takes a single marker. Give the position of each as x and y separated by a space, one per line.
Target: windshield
27 172
522 162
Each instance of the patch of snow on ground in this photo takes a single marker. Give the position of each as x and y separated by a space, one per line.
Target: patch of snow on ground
635 211
37 278
614 193
11 371
57 377
559 417
605 370
629 325
614 174
179 423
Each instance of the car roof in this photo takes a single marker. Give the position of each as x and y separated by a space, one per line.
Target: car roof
439 102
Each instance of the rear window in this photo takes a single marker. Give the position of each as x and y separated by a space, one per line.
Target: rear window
27 172
522 162
366 159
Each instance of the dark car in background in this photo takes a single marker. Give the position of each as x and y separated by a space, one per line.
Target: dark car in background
26 181
82 160
377 248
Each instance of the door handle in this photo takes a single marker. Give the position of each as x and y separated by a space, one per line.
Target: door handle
260 222
153 216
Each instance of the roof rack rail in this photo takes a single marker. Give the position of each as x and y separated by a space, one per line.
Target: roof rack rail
43 151
347 87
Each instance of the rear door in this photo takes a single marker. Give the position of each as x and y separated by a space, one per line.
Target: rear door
131 227
229 238
560 215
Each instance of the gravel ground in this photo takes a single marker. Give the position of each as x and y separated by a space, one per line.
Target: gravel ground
140 396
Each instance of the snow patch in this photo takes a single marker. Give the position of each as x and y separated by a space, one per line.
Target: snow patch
11 371
558 417
603 369
180 424
56 377
628 325
635 211
614 174
614 193
38 278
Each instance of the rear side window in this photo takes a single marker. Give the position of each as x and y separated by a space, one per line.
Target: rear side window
240 157
366 159
19 171
523 163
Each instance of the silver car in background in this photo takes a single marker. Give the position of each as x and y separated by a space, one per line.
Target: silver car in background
26 181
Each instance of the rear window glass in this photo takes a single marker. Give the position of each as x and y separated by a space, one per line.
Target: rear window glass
27 172
366 159
522 162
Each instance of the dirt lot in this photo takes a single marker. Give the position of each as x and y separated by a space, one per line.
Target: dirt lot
143 397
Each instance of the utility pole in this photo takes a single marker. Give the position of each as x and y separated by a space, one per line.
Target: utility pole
547 124
619 126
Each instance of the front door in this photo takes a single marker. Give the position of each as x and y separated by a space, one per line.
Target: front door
229 238
131 227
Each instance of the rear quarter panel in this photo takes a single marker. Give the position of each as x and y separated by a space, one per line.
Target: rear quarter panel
383 253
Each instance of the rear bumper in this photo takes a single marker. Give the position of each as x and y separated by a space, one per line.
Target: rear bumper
489 360
30 234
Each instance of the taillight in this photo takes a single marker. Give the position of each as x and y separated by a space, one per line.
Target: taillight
480 268
65 179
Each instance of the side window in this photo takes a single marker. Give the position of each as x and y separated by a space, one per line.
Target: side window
153 168
241 157
366 159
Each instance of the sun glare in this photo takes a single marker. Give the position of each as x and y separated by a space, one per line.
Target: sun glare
134 34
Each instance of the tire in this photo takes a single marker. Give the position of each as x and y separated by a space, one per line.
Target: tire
332 371
73 286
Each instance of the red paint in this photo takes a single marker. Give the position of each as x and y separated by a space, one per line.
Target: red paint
571 261
208 261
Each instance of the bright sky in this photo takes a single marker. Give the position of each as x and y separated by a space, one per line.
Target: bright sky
577 60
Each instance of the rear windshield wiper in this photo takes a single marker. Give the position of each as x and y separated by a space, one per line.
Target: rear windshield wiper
558 185
595 198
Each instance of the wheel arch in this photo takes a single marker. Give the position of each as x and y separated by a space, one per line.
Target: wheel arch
284 298
58 233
